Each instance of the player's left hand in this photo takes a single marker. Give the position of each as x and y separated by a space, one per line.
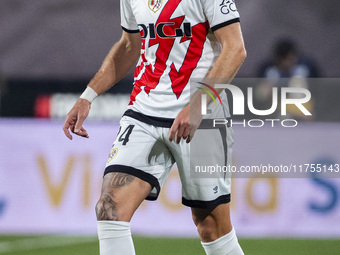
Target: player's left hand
185 125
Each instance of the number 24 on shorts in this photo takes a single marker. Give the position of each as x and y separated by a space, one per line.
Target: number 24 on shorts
124 137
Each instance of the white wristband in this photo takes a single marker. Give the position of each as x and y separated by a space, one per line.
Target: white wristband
89 94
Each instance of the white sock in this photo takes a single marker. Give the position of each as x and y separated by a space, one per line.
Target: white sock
115 238
225 245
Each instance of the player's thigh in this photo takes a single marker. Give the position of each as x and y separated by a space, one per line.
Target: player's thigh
121 195
203 167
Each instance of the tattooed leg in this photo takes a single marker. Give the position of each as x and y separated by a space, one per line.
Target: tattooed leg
120 197
121 179
106 208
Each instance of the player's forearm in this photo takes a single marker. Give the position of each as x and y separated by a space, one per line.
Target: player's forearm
121 58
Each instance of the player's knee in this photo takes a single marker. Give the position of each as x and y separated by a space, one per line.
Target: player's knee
206 228
106 208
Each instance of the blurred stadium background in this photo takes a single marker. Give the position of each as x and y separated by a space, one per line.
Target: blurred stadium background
49 50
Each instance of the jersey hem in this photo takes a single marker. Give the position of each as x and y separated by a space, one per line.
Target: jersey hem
224 199
152 180
167 122
224 24
151 120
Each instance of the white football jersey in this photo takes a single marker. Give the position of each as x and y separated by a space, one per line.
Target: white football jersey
178 47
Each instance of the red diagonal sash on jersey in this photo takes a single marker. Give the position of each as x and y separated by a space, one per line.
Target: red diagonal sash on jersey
152 73
180 78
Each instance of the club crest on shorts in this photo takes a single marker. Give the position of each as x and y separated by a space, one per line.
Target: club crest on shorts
113 153
155 5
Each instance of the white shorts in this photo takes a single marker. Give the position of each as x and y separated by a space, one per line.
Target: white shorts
143 150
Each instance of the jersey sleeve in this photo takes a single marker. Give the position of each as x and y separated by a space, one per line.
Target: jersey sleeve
128 21
220 13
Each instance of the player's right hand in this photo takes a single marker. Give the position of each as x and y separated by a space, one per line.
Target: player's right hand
75 119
